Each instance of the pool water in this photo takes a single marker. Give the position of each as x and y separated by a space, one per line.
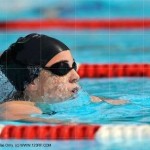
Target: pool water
90 9
96 46
82 110
100 46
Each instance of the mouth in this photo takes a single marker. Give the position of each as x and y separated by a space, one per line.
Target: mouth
75 90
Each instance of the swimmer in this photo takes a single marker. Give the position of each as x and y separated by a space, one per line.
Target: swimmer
41 69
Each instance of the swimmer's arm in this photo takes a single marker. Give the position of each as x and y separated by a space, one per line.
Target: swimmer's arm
96 99
21 111
41 120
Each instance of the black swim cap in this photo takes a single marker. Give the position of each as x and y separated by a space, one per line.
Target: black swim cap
22 61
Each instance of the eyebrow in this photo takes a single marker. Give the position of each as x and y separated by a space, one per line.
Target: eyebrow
61 61
64 61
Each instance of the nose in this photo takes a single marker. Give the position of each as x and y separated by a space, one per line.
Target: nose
74 77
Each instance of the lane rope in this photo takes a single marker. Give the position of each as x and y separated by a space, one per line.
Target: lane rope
62 132
77 24
113 70
123 133
78 132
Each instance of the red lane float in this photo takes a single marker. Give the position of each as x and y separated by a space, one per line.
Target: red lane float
114 70
62 132
76 24
103 133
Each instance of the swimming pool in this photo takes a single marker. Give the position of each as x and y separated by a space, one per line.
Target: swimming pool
81 110
101 47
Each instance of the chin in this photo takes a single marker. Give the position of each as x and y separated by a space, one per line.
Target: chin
65 97
69 97
73 96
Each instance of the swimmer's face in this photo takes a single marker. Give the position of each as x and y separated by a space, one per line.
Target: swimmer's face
53 88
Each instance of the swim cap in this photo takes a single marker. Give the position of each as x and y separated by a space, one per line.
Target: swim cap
22 61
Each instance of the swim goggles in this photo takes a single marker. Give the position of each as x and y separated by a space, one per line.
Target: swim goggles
61 68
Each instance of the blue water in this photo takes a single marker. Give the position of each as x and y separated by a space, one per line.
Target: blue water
96 46
81 110
100 46
92 9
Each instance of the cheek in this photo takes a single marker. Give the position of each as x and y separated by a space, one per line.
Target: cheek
57 87
57 83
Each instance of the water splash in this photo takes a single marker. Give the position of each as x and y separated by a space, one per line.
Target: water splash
82 98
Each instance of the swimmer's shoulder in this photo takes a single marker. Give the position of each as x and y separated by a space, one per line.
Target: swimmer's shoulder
22 102
17 101
16 110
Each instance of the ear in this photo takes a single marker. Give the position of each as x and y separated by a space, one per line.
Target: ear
33 86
